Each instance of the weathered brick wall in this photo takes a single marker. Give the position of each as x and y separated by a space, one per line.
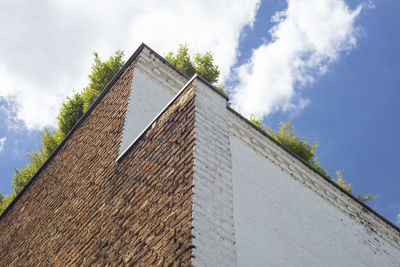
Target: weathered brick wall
85 208
155 84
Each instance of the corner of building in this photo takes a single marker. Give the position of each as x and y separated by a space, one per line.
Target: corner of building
213 228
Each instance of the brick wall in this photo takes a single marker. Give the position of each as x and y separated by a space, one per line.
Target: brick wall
84 208
154 84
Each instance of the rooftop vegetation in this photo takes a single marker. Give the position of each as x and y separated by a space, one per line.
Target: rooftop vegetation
73 107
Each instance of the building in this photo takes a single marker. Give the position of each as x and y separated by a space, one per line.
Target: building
161 171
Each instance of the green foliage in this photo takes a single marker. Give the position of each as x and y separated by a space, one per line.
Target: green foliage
102 72
50 141
342 183
286 136
182 60
365 198
70 112
101 75
299 146
22 176
259 124
202 64
304 149
223 90
317 165
6 200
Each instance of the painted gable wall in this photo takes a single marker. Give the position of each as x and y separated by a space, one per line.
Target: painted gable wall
153 86
200 186
285 214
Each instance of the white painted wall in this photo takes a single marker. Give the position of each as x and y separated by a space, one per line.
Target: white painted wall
154 84
254 204
285 215
213 229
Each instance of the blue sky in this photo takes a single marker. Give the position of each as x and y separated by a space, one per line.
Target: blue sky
347 101
353 111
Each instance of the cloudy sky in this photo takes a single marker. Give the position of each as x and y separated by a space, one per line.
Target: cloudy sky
330 66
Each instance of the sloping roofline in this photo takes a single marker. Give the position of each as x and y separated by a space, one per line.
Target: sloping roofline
312 168
112 82
91 108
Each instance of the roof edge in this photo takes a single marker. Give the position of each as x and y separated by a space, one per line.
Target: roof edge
165 61
77 124
183 74
201 78
94 104
314 169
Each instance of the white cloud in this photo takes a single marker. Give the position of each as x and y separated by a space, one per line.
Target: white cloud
308 37
398 219
49 43
2 141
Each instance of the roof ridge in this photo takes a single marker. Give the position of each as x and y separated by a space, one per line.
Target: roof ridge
132 58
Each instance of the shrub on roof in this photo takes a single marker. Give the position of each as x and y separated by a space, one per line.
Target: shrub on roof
302 147
73 108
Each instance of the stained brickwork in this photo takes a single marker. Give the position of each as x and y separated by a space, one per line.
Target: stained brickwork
85 208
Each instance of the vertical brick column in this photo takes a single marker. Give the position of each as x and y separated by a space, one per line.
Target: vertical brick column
213 228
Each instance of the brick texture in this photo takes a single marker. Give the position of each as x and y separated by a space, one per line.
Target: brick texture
213 228
85 208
